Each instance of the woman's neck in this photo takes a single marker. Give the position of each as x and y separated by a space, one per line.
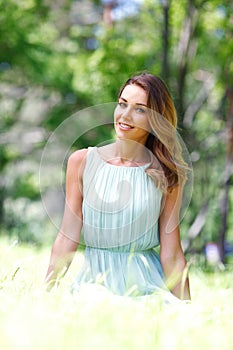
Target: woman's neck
128 151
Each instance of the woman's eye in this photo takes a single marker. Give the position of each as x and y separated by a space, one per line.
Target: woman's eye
122 104
140 110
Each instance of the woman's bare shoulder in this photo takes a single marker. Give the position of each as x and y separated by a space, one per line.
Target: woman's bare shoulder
78 156
77 159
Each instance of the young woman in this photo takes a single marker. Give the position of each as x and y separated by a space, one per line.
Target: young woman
126 196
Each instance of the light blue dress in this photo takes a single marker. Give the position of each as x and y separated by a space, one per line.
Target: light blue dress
121 206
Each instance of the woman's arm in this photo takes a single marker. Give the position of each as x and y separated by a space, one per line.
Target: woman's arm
171 253
67 240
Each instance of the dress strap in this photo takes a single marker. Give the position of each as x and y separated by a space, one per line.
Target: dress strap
90 156
92 163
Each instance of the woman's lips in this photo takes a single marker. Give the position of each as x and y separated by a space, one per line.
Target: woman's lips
124 126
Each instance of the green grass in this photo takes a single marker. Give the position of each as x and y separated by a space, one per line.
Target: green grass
33 319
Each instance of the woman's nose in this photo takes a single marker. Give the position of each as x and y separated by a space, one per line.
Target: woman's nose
126 113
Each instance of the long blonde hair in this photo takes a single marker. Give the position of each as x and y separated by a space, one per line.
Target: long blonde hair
170 169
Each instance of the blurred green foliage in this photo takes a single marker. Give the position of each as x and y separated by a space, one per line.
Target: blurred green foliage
57 58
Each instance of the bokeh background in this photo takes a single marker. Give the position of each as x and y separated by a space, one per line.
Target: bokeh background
60 57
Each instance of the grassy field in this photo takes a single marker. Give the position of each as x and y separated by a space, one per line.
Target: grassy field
33 319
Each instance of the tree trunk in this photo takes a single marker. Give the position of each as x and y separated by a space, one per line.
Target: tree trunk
165 65
227 177
183 52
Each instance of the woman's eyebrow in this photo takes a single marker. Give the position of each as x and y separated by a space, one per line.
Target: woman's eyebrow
138 104
122 98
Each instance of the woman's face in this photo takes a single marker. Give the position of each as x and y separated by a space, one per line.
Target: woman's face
131 115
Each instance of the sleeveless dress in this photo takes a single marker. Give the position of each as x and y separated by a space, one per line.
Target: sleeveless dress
121 207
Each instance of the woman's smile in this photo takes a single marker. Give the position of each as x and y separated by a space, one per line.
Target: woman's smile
124 126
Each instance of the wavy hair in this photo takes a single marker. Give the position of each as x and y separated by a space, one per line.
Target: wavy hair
168 169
